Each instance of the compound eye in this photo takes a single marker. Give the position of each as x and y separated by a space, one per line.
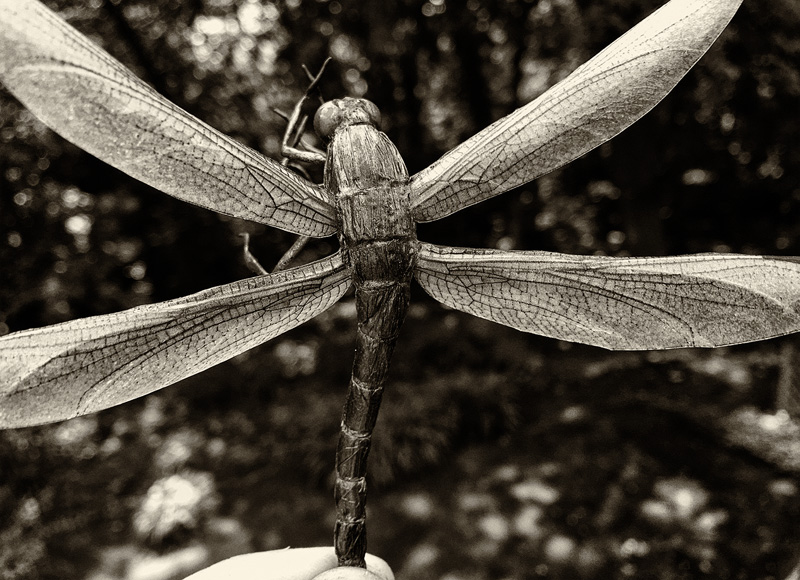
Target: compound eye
326 119
373 112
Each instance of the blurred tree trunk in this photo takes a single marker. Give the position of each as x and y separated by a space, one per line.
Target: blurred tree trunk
787 396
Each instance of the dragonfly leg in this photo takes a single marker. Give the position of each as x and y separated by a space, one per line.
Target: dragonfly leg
255 266
249 259
296 126
293 146
298 245
291 151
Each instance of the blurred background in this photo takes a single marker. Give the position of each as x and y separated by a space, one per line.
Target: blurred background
497 454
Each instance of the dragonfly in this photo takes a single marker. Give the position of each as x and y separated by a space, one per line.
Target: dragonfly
369 201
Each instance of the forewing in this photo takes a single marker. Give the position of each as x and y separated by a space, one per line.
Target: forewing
90 99
78 367
597 101
705 300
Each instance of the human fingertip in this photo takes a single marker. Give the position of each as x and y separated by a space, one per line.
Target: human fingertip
379 567
349 573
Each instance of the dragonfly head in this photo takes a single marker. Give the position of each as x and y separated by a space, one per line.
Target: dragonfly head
342 112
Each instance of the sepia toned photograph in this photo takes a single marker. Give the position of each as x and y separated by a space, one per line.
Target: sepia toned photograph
402 290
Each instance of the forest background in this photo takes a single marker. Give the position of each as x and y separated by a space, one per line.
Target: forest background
498 454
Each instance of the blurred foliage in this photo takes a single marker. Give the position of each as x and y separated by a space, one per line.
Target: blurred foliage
476 416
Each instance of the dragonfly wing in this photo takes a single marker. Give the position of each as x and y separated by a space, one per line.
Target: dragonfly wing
78 367
92 100
702 300
596 102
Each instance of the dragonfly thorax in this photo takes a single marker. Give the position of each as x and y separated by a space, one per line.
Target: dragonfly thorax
343 112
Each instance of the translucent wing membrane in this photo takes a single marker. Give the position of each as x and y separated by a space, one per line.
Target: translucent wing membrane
90 99
62 371
620 303
597 101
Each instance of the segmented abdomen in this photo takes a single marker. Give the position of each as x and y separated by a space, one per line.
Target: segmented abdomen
381 302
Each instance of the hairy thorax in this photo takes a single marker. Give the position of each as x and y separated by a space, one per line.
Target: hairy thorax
369 182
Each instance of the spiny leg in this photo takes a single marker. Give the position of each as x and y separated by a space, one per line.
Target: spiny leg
296 126
250 260
290 149
290 254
